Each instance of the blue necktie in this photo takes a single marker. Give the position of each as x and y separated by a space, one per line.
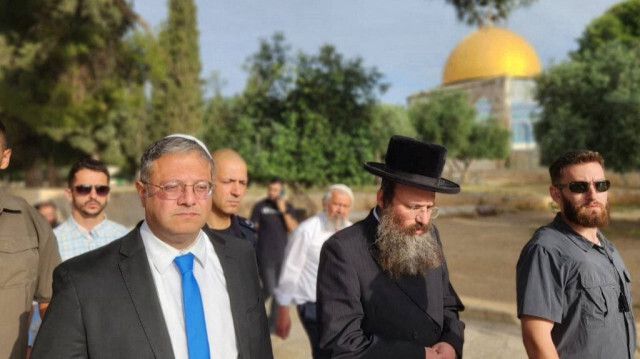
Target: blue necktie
197 340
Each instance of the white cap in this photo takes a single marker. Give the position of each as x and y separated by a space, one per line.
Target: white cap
189 137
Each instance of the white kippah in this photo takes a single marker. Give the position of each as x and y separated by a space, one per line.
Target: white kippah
189 137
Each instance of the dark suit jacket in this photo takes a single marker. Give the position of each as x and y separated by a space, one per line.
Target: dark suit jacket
364 313
105 304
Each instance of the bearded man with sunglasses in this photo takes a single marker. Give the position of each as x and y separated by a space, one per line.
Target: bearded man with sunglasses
87 227
573 290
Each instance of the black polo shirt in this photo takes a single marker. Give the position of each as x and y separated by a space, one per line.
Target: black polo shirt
241 228
580 286
272 231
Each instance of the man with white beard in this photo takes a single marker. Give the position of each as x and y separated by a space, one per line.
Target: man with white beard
383 284
573 290
300 268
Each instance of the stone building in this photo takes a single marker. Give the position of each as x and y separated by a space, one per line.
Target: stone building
495 67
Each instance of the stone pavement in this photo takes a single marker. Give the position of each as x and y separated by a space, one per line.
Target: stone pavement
491 332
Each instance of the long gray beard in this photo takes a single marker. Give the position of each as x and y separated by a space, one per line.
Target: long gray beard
404 253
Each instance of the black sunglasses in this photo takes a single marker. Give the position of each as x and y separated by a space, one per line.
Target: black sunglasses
582 186
85 189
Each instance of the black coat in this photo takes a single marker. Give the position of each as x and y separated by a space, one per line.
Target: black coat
364 313
105 304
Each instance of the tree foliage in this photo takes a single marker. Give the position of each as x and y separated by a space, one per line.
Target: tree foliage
620 23
176 94
388 120
77 79
447 117
76 76
333 100
593 101
479 12
68 77
306 118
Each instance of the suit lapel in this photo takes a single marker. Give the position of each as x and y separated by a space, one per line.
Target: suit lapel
424 291
139 282
232 274
224 248
415 288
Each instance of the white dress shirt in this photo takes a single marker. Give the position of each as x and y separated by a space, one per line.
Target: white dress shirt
213 288
300 268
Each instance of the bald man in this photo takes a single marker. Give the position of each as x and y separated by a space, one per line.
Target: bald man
229 184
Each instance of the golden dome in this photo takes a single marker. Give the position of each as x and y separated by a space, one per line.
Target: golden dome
490 51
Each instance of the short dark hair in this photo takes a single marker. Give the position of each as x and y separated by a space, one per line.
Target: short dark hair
89 164
276 180
572 158
170 145
3 137
388 189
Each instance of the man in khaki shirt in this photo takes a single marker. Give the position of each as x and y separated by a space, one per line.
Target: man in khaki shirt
28 255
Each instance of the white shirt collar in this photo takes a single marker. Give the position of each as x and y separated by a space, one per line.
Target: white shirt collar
375 213
162 255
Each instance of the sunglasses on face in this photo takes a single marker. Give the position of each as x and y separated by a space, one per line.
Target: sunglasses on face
583 186
85 189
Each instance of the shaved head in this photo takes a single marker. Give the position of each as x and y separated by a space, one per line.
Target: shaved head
227 155
229 184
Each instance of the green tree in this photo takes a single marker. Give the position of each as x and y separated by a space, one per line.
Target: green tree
176 96
331 106
488 140
64 73
479 12
220 116
445 117
269 82
305 118
593 101
620 23
389 120
248 122
448 118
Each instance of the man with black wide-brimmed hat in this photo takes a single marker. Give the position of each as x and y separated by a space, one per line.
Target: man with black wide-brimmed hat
383 286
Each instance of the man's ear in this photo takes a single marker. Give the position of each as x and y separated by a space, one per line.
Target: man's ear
69 194
6 158
379 198
142 192
554 192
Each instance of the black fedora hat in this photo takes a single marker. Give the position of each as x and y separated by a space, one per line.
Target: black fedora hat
414 163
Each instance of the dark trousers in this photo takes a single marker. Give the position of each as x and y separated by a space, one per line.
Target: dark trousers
269 273
309 319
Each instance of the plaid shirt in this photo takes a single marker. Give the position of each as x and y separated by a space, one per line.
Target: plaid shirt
74 240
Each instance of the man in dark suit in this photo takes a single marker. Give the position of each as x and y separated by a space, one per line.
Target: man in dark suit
383 286
125 300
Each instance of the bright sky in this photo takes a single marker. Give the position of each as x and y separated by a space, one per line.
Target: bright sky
407 40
